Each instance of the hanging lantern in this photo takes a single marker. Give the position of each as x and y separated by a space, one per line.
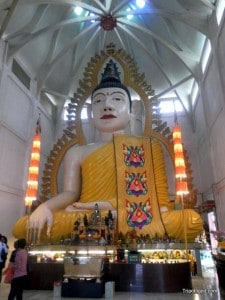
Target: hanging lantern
179 162
178 153
179 159
32 182
181 188
180 172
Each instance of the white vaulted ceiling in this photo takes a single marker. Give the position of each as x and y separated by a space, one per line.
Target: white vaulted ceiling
165 38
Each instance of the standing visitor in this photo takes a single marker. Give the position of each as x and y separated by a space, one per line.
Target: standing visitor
3 253
9 271
20 271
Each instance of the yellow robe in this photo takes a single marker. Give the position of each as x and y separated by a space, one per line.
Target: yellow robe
100 172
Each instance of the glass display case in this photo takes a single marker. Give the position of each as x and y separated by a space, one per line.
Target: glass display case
149 253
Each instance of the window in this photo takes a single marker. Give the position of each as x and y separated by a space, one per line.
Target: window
220 10
168 106
84 113
20 74
206 55
194 92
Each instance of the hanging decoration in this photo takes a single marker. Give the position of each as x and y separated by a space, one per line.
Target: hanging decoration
180 174
179 162
32 182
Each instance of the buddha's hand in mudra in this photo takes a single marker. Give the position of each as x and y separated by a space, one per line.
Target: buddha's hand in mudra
41 216
79 206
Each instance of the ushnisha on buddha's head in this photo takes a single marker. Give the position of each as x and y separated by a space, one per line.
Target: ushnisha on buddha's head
111 101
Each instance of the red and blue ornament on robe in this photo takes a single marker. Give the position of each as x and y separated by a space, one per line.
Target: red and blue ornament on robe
132 179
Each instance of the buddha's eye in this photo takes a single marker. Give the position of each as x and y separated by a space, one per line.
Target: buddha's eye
99 98
117 96
97 101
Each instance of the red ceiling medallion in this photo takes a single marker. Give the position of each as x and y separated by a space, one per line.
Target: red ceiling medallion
108 22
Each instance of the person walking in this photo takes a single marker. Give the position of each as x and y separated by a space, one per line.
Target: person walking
20 271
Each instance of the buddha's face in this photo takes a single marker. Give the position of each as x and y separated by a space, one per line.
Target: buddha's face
111 109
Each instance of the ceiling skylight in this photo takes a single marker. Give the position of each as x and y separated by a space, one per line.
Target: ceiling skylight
130 16
78 10
140 3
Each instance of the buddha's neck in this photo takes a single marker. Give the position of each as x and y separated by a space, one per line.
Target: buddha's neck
108 136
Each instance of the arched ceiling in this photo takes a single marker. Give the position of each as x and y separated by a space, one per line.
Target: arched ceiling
165 37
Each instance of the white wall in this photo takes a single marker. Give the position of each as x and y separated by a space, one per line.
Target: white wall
19 111
210 124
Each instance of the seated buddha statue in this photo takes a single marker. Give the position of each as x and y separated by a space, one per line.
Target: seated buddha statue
120 173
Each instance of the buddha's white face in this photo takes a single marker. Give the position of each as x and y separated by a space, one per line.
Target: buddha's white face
111 109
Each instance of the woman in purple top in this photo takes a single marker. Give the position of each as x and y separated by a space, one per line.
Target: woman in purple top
20 271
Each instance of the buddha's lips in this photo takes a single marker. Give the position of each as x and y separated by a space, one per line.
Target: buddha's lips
104 117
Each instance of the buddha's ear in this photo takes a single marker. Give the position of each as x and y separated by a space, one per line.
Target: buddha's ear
135 107
136 122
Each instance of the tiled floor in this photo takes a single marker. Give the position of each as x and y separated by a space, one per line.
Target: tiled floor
204 288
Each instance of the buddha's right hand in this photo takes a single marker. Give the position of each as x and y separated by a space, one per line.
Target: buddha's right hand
41 216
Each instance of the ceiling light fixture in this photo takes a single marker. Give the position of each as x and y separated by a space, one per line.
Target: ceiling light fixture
130 16
140 3
78 10
92 15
